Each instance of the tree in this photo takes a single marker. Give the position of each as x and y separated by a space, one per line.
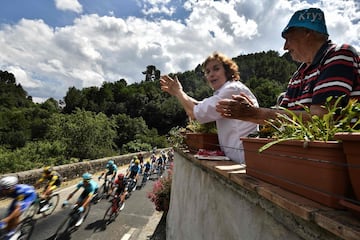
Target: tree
87 135
151 73
12 94
74 99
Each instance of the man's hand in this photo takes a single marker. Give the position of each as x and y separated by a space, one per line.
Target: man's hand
239 107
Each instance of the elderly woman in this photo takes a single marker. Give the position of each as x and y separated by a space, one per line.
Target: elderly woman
223 76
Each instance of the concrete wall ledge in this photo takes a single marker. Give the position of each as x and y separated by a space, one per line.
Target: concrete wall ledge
217 200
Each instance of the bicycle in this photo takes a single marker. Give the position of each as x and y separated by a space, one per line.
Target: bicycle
114 209
104 189
144 178
68 225
39 205
23 231
159 170
131 184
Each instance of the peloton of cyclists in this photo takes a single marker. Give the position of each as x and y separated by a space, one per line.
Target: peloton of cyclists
23 196
53 179
90 188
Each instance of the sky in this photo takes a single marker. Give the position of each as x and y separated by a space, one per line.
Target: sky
52 45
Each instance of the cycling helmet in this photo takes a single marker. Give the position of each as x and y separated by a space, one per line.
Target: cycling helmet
87 176
110 162
48 169
121 176
8 182
137 161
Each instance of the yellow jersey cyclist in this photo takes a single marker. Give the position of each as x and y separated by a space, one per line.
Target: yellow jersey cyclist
90 188
54 180
23 196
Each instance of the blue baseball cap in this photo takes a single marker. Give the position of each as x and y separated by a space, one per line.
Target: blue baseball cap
312 18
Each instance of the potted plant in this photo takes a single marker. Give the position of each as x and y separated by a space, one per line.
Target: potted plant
351 141
201 136
303 156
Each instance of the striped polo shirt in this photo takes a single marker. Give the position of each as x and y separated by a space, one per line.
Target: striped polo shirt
335 71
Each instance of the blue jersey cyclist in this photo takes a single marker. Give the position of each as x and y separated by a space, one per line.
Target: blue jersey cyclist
110 169
90 188
23 196
134 170
147 166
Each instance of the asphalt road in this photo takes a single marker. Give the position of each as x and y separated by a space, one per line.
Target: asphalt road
138 213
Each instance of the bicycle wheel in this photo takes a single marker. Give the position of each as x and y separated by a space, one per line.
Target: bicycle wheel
101 192
108 214
87 210
111 212
52 202
63 229
31 211
26 228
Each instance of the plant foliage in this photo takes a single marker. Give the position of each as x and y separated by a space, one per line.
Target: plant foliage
290 126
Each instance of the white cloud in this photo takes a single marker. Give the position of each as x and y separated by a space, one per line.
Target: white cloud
151 7
69 5
23 78
97 48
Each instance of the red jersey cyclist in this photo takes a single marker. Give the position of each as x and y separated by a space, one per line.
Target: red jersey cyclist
120 184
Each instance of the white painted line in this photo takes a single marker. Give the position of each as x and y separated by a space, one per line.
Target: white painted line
128 234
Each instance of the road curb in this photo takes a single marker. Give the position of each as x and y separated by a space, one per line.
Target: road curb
150 227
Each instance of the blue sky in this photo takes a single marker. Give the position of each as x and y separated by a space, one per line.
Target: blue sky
51 45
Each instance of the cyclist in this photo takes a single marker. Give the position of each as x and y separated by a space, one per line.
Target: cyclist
54 181
147 167
160 162
153 162
133 172
23 196
110 169
121 188
170 155
90 188
141 158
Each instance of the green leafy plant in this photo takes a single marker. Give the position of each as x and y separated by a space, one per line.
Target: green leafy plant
177 134
291 126
196 127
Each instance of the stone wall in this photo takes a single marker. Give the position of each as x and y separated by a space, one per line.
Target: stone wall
75 170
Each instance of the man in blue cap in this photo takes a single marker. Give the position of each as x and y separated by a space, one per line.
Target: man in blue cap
326 70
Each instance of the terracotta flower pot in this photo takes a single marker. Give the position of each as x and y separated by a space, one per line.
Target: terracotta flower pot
196 141
317 172
351 143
